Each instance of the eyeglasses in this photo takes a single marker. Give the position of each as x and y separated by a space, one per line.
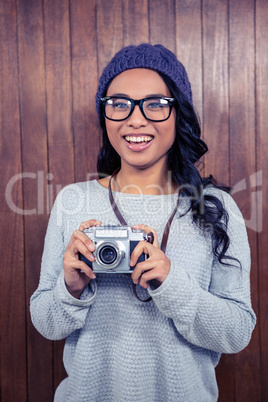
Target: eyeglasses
155 108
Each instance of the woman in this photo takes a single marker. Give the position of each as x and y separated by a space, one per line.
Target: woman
117 347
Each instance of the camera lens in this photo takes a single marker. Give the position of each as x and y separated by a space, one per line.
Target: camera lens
108 255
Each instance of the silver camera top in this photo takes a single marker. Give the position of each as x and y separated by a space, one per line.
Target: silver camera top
116 231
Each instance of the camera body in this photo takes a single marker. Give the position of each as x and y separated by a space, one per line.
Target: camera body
114 245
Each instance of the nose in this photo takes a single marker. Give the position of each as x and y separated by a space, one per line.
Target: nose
136 119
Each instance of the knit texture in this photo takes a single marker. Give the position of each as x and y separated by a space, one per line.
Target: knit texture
154 57
120 349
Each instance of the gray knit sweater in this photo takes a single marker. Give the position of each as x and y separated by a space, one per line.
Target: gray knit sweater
120 349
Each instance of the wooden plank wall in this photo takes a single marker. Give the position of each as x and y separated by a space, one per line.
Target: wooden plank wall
51 54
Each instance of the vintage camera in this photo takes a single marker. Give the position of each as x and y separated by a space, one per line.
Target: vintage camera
114 245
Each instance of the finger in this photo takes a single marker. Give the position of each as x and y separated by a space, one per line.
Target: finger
79 235
72 264
83 249
87 270
147 230
88 224
139 270
157 261
146 278
142 247
71 256
152 270
73 253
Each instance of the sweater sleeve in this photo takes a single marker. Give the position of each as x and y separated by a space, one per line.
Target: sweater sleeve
55 313
220 318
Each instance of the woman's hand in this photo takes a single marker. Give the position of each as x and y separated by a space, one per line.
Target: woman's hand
157 265
75 279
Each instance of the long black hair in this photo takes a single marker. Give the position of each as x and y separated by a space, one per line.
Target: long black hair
188 148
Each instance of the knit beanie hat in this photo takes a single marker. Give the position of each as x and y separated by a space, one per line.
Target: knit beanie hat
145 55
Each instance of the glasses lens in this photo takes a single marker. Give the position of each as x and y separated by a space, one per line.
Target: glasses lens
156 109
117 108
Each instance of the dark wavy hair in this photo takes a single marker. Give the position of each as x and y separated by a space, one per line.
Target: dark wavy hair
188 148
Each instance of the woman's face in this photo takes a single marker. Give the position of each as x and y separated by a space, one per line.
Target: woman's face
139 142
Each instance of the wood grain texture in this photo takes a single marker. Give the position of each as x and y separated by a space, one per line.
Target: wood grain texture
34 160
13 364
215 83
59 90
162 23
84 85
59 112
262 165
216 130
189 46
135 22
243 168
109 31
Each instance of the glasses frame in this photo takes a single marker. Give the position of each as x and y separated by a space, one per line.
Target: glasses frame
138 102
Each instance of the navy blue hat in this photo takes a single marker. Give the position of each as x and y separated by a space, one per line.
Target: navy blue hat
145 55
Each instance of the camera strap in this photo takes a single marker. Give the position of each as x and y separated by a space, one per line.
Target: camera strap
124 223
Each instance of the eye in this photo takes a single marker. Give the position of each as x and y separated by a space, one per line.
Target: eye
156 104
119 104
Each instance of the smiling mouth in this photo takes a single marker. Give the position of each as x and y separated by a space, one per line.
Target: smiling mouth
135 139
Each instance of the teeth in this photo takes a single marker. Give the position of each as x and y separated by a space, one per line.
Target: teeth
138 139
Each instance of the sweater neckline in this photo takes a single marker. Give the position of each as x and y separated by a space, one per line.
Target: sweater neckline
127 195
